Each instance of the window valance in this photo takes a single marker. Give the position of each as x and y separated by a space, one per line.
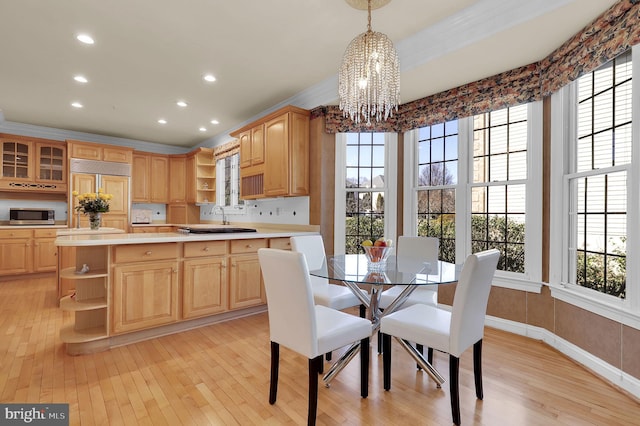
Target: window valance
226 150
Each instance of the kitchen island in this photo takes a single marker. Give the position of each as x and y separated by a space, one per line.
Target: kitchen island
131 287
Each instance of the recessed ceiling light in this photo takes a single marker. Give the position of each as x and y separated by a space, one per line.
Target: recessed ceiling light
80 79
209 77
203 129
215 122
85 38
162 121
76 105
181 104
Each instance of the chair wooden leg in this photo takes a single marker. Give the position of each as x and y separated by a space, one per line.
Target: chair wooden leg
379 342
327 356
454 389
314 367
275 361
477 368
363 311
386 360
364 367
430 355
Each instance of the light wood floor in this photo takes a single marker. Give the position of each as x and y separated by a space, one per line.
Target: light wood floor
219 375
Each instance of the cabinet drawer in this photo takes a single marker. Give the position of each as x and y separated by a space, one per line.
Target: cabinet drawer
248 246
205 248
17 233
45 233
145 252
280 243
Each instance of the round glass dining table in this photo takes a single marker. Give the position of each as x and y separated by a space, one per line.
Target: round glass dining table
355 272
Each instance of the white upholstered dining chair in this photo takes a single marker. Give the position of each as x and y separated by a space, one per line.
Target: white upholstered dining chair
411 255
299 324
330 295
448 331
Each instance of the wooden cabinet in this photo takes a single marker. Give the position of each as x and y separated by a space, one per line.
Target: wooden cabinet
280 243
177 179
204 171
274 155
252 146
150 178
32 165
99 152
16 252
25 251
245 277
45 253
180 214
145 286
205 283
89 302
287 155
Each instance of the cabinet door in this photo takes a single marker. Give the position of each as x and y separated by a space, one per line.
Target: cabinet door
159 179
298 154
204 286
257 145
245 282
118 186
15 253
245 148
86 151
190 179
118 155
82 183
276 156
145 295
177 179
51 161
45 252
17 158
140 182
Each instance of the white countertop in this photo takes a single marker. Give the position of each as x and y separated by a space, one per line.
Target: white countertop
101 239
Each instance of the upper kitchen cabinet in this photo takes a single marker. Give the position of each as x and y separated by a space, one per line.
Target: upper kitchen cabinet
274 155
32 164
177 179
149 178
99 152
204 172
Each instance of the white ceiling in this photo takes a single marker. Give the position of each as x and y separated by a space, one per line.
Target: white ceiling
148 54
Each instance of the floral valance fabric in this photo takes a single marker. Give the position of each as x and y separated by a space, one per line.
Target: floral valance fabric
615 31
226 150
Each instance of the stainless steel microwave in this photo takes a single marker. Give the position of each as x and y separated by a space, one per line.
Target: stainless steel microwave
31 216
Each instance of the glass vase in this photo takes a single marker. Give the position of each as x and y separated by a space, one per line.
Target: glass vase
94 220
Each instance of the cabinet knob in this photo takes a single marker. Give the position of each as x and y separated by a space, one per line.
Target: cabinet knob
148 253
206 248
249 245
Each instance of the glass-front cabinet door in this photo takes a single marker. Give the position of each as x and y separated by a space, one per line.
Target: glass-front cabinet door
50 163
16 157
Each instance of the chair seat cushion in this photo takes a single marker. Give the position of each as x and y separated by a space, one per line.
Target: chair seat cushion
337 329
336 296
423 324
427 295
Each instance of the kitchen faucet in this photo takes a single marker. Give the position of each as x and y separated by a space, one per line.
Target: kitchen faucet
224 217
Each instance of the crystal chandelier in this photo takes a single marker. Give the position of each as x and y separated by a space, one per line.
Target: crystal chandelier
369 78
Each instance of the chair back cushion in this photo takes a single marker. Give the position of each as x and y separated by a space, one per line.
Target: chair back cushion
292 318
412 252
312 246
470 300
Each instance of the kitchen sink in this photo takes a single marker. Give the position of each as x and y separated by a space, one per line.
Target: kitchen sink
216 230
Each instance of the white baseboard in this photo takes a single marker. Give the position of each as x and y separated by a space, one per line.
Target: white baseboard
603 369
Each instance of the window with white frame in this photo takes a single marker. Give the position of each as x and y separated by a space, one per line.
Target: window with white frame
597 177
470 183
227 181
365 180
